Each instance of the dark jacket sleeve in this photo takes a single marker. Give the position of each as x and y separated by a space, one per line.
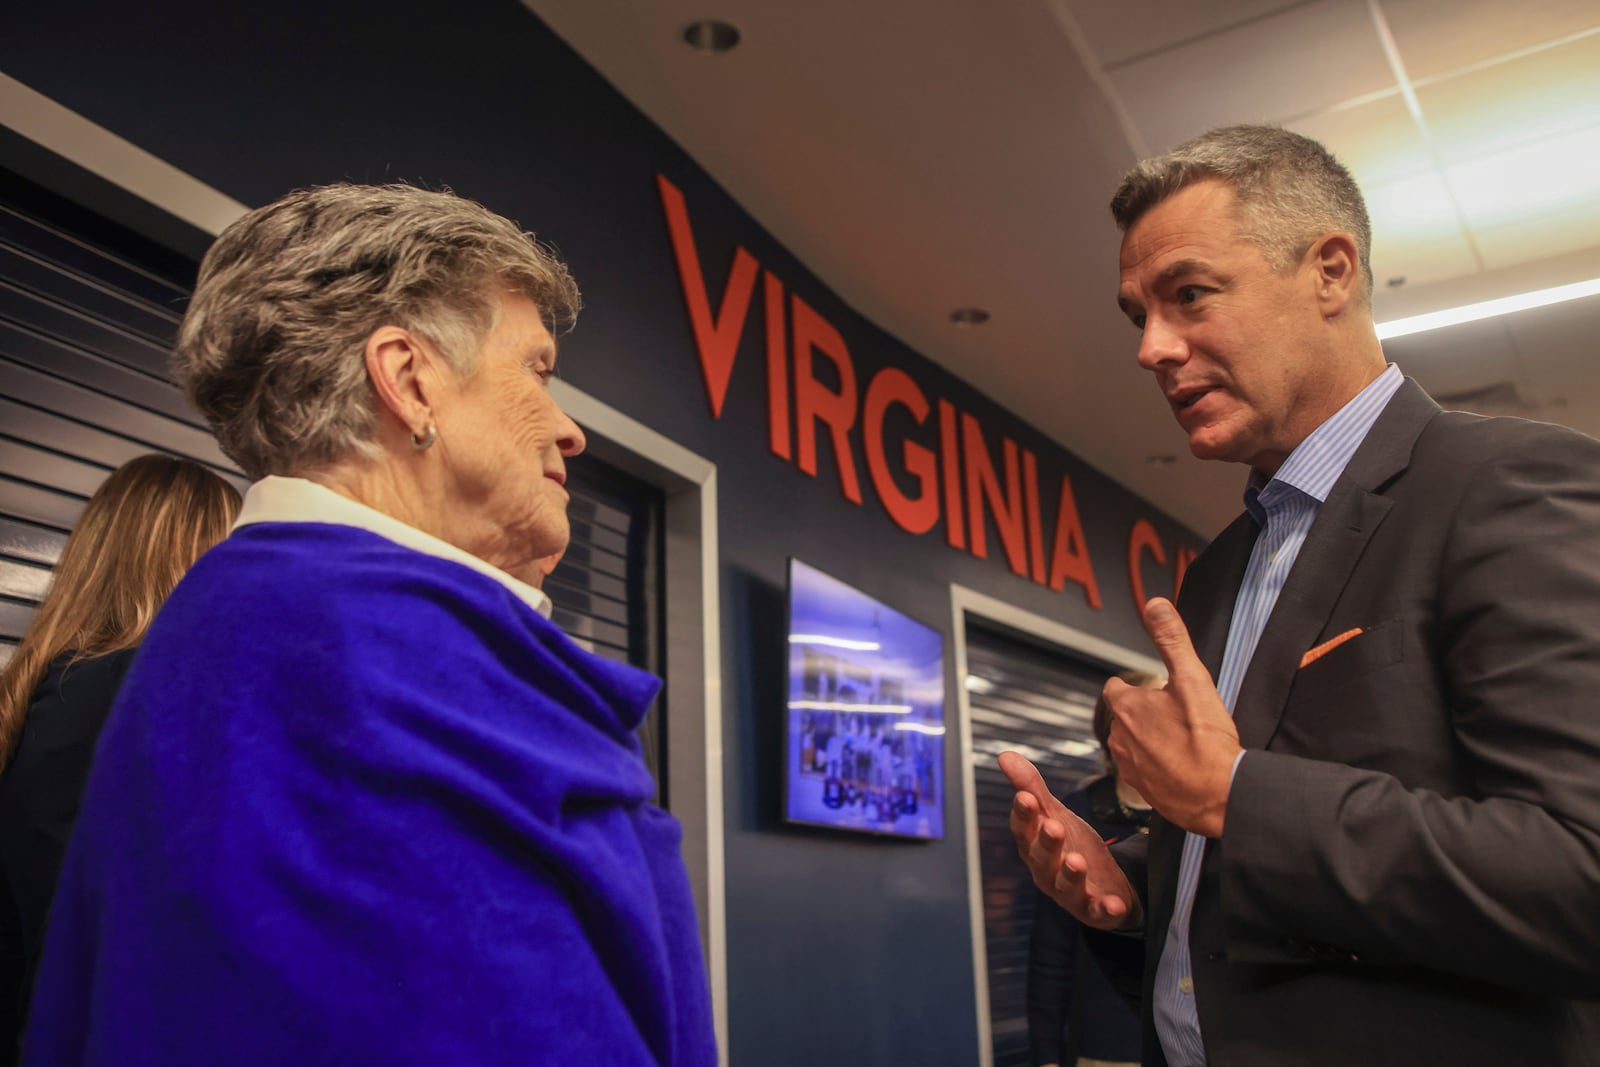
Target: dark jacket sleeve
1121 954
40 793
43 787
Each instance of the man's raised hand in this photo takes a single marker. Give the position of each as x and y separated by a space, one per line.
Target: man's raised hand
1175 745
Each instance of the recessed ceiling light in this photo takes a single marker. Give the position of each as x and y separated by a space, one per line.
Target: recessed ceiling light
1488 309
973 316
711 36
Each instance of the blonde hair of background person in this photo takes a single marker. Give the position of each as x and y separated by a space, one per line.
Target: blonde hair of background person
146 524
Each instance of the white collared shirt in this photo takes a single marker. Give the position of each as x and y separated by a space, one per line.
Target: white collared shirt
279 499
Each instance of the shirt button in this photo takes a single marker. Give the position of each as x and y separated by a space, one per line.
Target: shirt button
1186 986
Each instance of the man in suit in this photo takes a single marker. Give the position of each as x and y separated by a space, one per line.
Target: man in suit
1376 765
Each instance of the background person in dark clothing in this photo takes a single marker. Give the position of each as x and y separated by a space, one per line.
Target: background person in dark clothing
148 521
1074 1014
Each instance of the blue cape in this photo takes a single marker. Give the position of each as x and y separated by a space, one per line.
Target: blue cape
361 805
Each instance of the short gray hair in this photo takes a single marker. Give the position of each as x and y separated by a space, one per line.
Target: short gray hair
271 349
1290 190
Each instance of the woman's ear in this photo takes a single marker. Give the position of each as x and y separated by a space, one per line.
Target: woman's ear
399 367
1337 272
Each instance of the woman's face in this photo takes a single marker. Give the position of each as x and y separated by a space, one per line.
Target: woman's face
504 442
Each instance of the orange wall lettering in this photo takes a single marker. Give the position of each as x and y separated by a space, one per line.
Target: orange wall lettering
777 367
950 460
717 339
1142 538
1069 555
983 487
1030 482
912 514
814 403
957 480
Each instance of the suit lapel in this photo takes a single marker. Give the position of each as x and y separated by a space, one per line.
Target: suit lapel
1344 525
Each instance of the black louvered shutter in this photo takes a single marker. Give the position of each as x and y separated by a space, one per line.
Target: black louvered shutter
607 590
1038 702
85 333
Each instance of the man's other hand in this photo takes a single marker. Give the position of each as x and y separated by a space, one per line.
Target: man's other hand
1067 858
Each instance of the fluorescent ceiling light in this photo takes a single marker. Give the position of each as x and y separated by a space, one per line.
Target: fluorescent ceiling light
1487 309
833 642
833 705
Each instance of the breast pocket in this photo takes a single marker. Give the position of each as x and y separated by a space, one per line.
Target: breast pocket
1359 703
1373 649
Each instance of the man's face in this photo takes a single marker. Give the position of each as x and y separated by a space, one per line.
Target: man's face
1234 344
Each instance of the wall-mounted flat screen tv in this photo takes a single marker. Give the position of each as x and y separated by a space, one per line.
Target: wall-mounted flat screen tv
866 722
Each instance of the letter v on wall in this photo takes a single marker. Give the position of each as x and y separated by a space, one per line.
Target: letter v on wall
716 338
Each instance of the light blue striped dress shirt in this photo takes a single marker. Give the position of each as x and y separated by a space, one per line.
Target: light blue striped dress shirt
1284 508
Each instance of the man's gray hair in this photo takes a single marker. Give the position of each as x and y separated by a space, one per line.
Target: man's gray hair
1290 190
271 350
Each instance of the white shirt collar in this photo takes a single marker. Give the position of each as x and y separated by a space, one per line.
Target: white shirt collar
278 499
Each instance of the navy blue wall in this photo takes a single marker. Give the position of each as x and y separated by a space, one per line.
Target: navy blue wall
840 948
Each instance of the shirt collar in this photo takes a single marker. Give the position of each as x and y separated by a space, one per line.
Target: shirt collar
1317 462
278 499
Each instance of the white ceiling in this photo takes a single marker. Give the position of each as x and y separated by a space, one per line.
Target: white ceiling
924 155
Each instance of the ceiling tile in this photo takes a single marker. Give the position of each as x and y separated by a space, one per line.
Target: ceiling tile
1556 175
1507 246
1551 92
1295 63
1122 31
1379 141
1435 36
1416 233
1424 261
1538 200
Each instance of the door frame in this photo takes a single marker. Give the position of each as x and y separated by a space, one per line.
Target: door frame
967 605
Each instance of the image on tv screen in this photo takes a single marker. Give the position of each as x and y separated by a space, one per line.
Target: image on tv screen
866 712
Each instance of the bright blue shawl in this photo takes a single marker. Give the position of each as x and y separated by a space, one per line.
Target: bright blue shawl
360 805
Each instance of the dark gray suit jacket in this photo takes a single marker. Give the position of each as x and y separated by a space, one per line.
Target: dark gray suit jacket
1409 871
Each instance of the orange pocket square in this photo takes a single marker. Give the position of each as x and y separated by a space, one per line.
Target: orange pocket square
1328 646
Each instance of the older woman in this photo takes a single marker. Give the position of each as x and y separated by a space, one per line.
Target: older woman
360 802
